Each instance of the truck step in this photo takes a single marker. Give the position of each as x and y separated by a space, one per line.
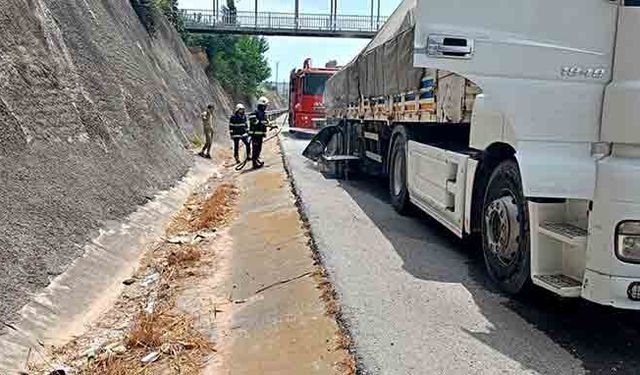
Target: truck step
372 136
338 158
560 284
339 166
373 156
565 232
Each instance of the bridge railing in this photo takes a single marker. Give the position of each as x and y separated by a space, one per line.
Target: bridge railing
282 21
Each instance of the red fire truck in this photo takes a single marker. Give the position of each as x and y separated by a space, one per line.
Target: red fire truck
306 90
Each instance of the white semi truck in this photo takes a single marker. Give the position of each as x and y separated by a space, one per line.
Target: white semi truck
514 122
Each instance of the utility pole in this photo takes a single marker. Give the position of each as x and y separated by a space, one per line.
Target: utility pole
378 19
297 12
277 71
256 13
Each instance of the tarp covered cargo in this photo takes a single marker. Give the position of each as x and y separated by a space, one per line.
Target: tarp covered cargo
352 85
338 86
384 67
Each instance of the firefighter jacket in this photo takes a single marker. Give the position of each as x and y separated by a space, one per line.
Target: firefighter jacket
258 123
238 126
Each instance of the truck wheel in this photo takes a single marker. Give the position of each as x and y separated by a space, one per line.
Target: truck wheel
505 229
398 172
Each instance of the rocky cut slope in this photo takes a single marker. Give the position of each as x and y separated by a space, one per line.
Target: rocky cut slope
95 117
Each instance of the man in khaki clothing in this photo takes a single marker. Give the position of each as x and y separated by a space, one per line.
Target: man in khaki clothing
207 127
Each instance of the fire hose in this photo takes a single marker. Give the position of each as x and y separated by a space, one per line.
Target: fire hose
243 164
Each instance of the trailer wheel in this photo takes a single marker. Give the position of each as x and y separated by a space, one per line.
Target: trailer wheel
505 229
398 172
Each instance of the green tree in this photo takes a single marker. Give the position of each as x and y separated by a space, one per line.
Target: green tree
239 63
171 11
252 62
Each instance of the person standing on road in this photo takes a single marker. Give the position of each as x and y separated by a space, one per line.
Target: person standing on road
238 132
258 124
207 127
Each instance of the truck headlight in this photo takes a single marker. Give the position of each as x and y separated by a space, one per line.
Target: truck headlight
628 241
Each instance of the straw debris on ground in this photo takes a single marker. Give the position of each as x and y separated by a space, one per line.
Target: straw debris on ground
144 323
211 212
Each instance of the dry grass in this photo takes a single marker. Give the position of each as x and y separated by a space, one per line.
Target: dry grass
170 334
146 332
347 366
327 291
184 254
206 213
217 208
182 348
343 342
110 366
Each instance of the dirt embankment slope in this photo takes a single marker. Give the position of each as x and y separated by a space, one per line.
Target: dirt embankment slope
95 116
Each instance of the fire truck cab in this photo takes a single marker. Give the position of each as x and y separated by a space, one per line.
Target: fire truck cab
306 92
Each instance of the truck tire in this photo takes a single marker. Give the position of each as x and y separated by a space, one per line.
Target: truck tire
398 171
505 229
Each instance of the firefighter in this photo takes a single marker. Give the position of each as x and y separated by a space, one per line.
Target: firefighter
258 124
238 132
207 127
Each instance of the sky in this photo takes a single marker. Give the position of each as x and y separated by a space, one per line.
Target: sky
290 52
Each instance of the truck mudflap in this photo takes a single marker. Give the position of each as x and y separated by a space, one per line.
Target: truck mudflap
320 143
332 149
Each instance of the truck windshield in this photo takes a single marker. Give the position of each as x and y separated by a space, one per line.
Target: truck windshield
314 84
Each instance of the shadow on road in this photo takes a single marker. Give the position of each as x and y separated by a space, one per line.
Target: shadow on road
605 340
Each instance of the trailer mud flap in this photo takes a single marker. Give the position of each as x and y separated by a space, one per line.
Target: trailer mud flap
323 143
331 149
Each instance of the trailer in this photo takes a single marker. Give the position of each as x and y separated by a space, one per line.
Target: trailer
510 125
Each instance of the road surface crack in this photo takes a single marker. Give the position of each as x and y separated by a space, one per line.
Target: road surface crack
282 282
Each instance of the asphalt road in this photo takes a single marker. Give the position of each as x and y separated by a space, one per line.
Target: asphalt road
417 301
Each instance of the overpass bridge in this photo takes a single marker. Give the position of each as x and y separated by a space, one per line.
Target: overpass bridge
282 24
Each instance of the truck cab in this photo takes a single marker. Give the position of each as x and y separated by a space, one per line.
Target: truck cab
563 96
306 90
515 122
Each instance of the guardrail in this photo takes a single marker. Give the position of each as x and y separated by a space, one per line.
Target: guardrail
276 23
273 114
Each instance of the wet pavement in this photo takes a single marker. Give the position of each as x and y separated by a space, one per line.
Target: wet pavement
275 321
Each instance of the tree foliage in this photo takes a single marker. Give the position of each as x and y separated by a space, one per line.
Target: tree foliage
171 11
149 10
239 63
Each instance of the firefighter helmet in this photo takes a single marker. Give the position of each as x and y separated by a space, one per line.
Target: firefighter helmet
239 107
263 101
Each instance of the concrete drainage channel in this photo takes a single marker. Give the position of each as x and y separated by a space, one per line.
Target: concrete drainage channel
257 295
76 297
